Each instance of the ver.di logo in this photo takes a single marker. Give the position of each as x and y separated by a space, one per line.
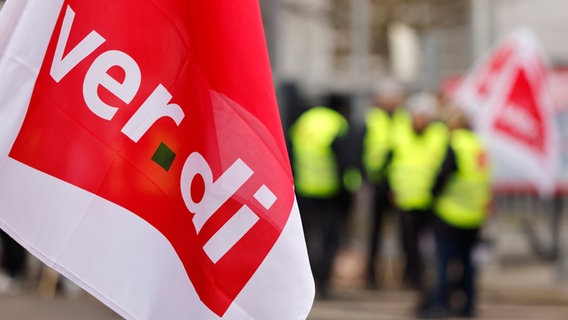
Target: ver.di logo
141 128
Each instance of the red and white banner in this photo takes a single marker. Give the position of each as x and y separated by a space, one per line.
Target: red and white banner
508 95
142 156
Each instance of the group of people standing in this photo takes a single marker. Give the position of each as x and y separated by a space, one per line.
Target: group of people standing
419 157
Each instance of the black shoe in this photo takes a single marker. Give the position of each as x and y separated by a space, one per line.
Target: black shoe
433 313
465 314
371 285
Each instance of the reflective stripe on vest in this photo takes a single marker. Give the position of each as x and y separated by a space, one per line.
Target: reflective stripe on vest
316 172
415 165
464 201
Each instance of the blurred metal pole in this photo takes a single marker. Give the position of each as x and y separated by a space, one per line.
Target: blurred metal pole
360 42
430 66
556 226
270 19
360 79
561 238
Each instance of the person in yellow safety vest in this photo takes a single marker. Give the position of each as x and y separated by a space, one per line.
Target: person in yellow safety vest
321 180
417 154
380 125
463 191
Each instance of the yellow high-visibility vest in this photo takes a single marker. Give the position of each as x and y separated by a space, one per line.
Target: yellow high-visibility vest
415 164
464 201
316 172
381 128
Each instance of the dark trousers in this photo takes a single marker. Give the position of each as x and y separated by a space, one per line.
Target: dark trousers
379 206
413 224
455 246
321 219
14 256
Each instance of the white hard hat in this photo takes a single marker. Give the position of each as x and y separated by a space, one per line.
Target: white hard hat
423 103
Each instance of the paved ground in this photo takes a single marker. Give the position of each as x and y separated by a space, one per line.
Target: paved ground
526 289
397 305
514 284
348 304
519 292
30 306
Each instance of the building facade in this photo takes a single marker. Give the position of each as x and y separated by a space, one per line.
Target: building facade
346 45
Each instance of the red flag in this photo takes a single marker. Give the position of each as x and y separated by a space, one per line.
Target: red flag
508 95
162 113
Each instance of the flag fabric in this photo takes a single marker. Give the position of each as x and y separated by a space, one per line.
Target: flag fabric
509 97
142 156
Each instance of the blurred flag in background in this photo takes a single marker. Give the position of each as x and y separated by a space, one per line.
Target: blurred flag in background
508 95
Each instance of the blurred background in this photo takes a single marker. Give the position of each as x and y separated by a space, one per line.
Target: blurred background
322 47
